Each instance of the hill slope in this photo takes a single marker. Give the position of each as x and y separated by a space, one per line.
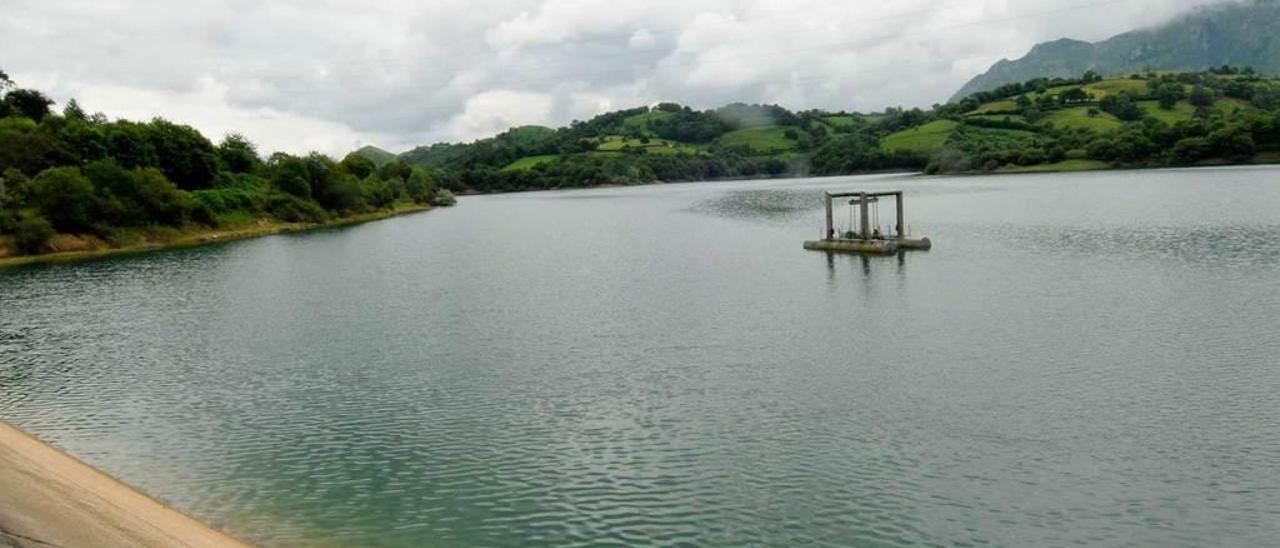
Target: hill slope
376 155
1235 34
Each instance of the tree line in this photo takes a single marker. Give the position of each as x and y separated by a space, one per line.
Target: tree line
79 173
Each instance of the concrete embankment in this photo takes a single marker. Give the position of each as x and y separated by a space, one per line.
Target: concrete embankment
49 498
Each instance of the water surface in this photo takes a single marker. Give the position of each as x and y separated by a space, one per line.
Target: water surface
1084 358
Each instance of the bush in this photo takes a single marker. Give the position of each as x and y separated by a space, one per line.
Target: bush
161 199
65 197
292 209
33 233
225 200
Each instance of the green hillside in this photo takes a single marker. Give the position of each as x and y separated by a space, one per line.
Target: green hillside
763 140
376 155
923 139
530 162
1227 114
1241 34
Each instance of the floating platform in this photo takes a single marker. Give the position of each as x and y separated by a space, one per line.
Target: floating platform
841 245
922 244
866 240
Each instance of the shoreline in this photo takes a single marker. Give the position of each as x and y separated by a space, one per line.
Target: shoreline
206 237
50 498
1264 159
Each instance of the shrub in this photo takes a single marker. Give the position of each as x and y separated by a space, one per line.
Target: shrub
292 209
33 233
161 199
65 197
445 198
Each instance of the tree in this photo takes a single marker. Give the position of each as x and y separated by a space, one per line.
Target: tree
184 155
29 103
1202 97
238 154
332 187
1073 96
1169 94
1122 106
64 197
289 175
420 187
32 233
1190 150
160 198
73 111
358 165
5 82
130 145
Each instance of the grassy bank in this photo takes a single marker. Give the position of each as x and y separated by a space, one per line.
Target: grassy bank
169 239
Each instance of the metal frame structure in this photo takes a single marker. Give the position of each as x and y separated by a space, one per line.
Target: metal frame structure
862 200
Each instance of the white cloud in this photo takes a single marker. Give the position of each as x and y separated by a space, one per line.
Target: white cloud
296 74
494 111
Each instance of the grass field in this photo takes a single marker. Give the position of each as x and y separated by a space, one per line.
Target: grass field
997 117
615 143
1000 138
1078 117
926 138
762 140
1113 87
1051 92
997 106
1182 112
839 121
529 162
644 122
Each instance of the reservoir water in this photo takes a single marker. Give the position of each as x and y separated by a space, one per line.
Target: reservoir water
1082 358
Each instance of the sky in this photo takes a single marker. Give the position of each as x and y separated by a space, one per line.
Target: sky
331 76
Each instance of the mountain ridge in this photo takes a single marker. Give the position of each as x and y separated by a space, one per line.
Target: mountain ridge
1240 34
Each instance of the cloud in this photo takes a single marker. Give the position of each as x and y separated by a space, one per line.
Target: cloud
494 111
297 75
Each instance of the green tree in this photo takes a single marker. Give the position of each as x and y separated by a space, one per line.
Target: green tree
358 165
1202 97
64 197
73 111
420 187
32 234
163 202
1169 94
184 155
29 103
238 154
289 175
1073 96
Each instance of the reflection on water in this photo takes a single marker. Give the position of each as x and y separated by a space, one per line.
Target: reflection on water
1074 362
843 263
1212 245
768 205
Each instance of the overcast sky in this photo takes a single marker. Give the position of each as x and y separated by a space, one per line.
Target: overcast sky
334 75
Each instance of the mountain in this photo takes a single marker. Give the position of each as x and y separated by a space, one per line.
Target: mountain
1241 34
375 154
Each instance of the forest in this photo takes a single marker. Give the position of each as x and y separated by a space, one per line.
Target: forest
122 182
